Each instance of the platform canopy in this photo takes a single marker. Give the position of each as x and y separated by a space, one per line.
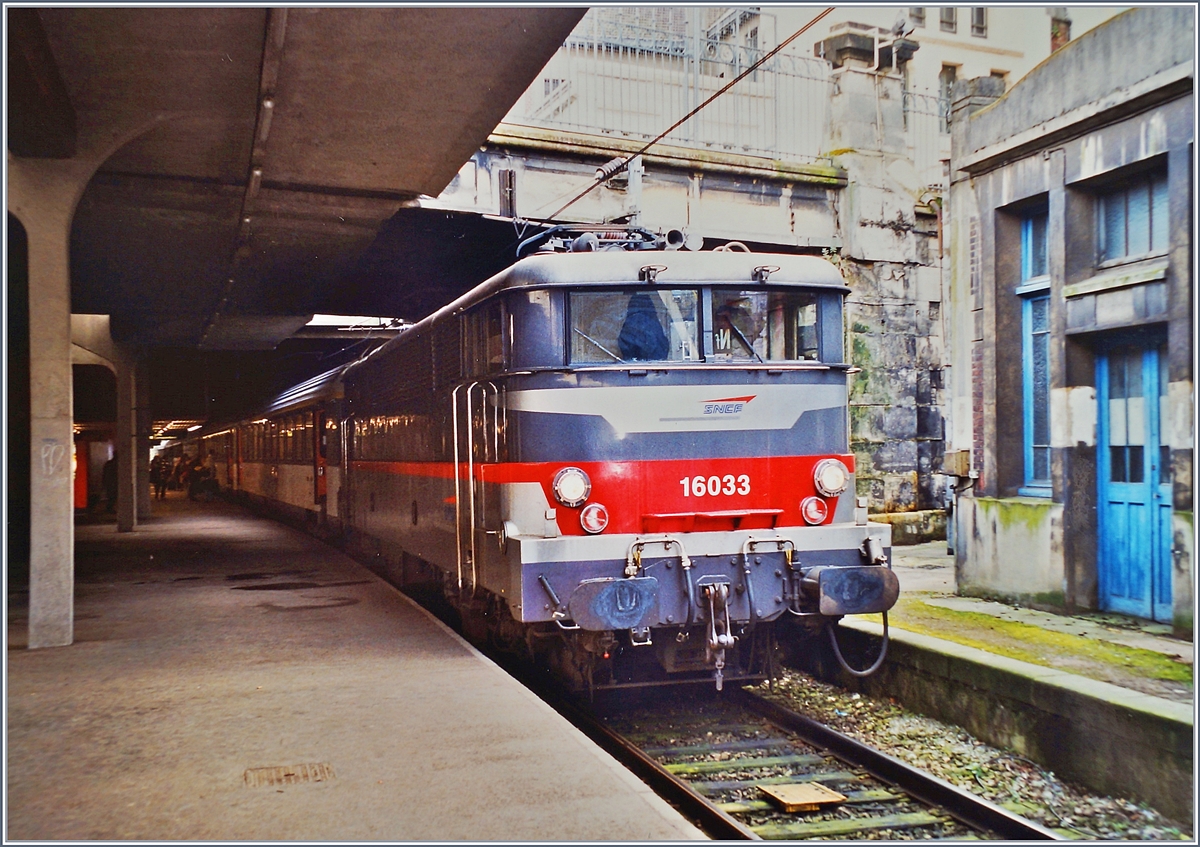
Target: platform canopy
263 152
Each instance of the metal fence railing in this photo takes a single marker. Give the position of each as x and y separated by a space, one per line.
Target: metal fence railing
631 72
927 128
617 76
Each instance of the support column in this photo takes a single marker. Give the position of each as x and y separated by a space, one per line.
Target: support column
126 444
51 513
42 195
142 423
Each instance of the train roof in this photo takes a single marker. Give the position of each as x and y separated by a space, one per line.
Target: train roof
320 386
672 267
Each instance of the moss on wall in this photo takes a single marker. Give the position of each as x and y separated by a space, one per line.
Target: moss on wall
1016 511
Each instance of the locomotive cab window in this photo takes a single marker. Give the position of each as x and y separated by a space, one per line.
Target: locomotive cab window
759 326
487 350
634 325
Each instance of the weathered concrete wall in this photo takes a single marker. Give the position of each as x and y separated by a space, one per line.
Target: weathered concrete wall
1107 738
1183 572
1011 549
719 196
914 527
1126 51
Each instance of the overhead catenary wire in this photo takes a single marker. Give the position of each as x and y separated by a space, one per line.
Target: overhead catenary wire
751 69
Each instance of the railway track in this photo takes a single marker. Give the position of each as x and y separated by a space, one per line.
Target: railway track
711 756
716 759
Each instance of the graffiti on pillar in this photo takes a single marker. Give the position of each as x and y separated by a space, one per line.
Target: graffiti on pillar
53 456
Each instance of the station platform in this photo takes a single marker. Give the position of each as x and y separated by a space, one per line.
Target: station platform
233 679
1126 652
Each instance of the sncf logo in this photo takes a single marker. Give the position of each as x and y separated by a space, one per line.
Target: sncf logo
727 406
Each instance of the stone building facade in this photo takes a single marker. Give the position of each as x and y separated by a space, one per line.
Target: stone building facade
1071 333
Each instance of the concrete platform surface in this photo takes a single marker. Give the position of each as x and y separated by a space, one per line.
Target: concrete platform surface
233 679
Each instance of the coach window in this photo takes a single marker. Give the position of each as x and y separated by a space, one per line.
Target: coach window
333 441
298 438
304 437
291 424
637 325
757 325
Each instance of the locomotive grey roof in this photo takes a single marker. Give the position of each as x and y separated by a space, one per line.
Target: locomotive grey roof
674 266
680 267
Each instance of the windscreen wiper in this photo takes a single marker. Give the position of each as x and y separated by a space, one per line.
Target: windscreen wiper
598 344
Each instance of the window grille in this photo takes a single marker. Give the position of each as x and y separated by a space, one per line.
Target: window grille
949 18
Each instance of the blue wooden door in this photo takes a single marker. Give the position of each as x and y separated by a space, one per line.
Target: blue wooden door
1134 483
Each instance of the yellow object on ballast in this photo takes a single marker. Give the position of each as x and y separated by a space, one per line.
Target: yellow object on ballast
802 796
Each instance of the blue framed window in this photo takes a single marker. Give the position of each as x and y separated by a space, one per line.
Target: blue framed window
1034 291
1132 220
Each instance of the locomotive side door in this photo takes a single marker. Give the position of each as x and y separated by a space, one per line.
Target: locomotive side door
479 420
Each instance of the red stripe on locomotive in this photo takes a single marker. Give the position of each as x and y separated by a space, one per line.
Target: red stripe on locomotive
675 495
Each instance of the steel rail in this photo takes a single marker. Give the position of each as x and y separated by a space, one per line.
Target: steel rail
712 821
963 806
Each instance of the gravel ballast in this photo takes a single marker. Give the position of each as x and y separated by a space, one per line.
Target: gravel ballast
952 754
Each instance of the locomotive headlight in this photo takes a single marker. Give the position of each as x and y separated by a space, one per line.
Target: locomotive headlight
813 510
594 518
571 486
831 477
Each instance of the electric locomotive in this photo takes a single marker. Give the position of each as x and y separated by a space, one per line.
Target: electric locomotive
633 463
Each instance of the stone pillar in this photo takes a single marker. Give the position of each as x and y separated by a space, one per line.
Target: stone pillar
893 313
1181 390
143 423
43 202
976 346
126 444
42 195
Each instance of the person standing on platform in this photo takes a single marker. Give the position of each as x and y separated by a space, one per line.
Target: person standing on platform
109 477
158 477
